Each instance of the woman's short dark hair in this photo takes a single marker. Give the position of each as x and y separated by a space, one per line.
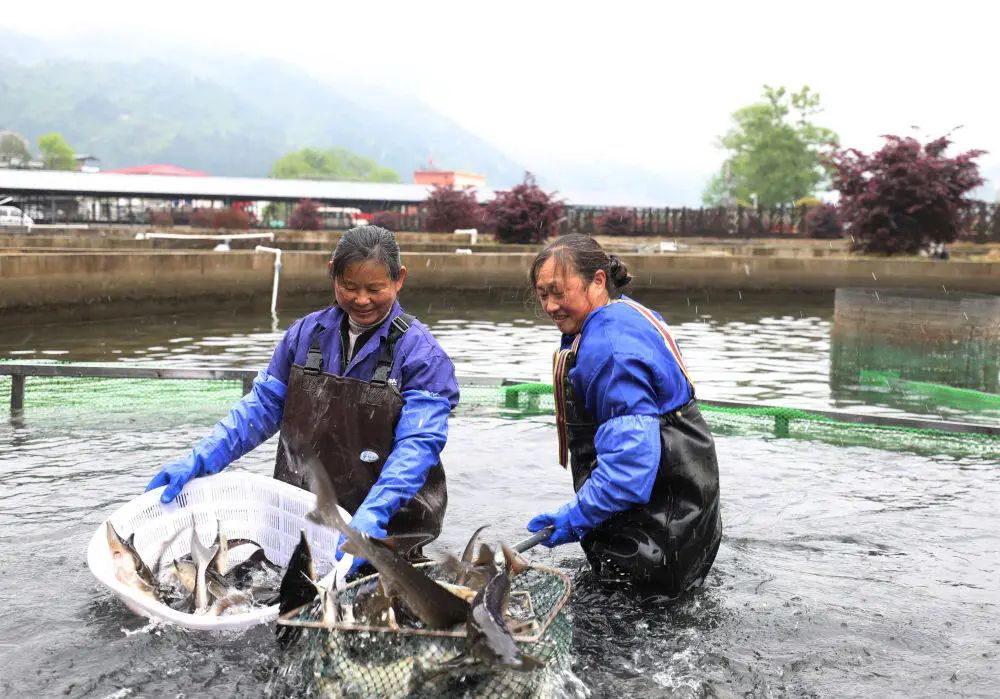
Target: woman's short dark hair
585 256
367 244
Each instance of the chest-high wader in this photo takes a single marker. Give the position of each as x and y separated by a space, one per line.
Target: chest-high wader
349 426
669 544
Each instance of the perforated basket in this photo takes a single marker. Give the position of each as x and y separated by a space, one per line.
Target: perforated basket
248 506
348 659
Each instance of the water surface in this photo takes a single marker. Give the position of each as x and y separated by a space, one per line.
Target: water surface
842 572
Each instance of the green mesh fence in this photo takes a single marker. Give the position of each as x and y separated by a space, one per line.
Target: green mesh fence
86 401
351 659
940 394
164 402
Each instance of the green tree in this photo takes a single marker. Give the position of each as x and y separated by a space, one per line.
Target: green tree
775 152
56 153
331 164
14 146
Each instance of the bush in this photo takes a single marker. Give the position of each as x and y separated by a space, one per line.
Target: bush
231 219
617 222
305 216
823 221
162 218
389 220
905 196
448 208
202 218
525 214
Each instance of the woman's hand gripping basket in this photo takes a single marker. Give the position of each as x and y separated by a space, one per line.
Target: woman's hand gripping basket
243 505
350 658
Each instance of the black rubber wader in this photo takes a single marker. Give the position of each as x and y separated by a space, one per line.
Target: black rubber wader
348 425
668 545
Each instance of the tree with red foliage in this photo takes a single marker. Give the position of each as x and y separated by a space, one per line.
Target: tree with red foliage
618 221
202 218
525 214
449 208
389 220
231 219
905 196
161 218
305 216
823 221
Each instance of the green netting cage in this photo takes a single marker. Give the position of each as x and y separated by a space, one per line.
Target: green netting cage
163 402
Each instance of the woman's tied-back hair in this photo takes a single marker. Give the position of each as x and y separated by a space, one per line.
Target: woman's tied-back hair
367 244
585 256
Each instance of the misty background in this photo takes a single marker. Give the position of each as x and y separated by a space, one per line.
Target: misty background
621 103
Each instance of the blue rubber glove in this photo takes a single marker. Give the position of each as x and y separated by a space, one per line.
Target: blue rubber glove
562 520
367 522
254 419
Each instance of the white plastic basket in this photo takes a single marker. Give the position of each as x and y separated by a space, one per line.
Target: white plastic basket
248 506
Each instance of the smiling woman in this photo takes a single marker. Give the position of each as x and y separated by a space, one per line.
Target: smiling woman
367 275
364 350
642 457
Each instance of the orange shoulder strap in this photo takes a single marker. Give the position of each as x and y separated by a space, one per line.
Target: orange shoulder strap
661 328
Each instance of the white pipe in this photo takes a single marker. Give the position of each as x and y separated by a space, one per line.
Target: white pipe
277 274
185 236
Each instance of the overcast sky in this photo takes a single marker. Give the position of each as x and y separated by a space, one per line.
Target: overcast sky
643 83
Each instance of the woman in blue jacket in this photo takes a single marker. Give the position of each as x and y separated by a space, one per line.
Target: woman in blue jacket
360 386
643 460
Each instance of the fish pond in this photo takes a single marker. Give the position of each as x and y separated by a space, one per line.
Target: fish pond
844 570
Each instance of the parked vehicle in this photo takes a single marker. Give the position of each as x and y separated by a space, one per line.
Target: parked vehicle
13 216
342 216
38 215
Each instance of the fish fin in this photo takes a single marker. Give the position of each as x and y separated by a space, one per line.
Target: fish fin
199 553
327 511
166 546
220 561
515 564
484 557
471 546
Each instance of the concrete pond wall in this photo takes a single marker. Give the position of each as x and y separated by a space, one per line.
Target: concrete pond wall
32 281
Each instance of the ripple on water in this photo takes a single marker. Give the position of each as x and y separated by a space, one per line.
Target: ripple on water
842 571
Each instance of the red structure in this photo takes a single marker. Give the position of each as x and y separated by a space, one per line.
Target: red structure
445 178
158 170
